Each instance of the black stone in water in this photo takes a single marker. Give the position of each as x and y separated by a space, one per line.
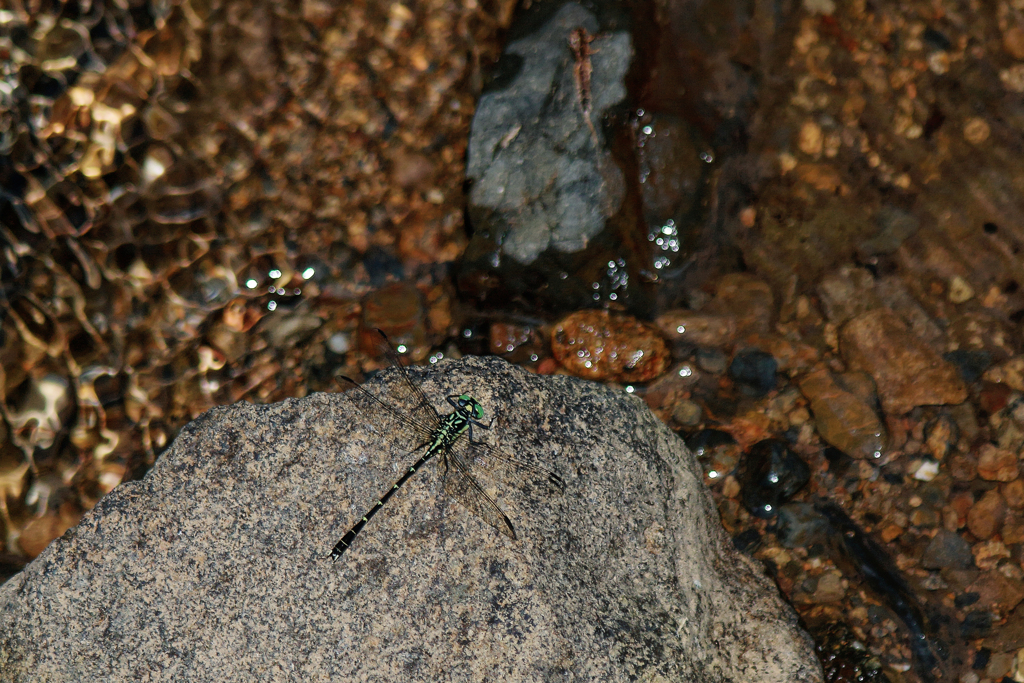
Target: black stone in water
966 599
970 363
838 462
976 625
936 38
770 473
708 440
380 264
892 476
755 370
747 541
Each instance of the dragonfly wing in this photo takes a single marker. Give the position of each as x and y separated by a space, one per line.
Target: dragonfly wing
404 392
480 456
394 426
460 485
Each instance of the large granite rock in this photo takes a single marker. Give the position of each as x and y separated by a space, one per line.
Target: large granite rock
214 567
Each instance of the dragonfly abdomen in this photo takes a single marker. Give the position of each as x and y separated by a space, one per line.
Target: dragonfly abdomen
346 540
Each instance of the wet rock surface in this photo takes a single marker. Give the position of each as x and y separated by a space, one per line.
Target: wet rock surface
842 417
543 179
598 345
237 519
770 473
908 373
755 370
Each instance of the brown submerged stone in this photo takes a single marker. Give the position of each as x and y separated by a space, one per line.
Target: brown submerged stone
842 418
986 515
907 372
597 345
997 464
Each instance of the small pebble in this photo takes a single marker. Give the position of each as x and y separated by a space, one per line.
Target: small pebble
755 370
1012 531
987 554
947 550
731 487
1013 493
845 419
712 361
830 588
997 464
770 473
999 665
925 518
687 413
927 470
1013 42
810 140
938 62
940 436
1010 373
960 290
986 515
339 343
994 397
1013 78
976 130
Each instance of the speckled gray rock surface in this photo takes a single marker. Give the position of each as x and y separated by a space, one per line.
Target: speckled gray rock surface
214 566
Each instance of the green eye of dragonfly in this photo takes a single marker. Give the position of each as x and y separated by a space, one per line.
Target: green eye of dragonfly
406 420
475 409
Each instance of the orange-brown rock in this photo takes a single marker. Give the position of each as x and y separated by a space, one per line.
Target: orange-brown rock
1013 493
986 515
700 329
601 346
842 418
907 372
997 464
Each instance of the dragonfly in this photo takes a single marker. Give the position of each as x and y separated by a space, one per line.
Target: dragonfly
408 421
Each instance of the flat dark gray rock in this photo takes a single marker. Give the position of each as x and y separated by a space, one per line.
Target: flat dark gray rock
214 567
542 178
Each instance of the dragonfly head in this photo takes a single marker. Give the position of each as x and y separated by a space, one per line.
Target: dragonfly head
469 405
